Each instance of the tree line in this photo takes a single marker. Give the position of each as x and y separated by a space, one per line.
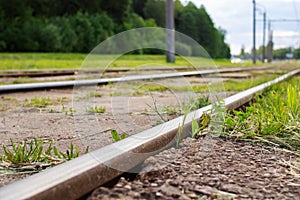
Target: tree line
277 54
79 25
284 53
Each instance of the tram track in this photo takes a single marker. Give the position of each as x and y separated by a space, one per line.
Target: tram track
77 177
64 72
70 84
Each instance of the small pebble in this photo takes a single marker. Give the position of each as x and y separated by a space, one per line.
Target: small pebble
127 187
192 196
158 194
119 185
153 184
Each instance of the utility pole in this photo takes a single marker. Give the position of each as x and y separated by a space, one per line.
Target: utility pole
254 32
264 38
170 31
270 43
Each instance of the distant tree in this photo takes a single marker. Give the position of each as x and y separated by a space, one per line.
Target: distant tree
50 33
242 53
80 25
196 23
156 9
67 34
138 7
178 8
208 36
15 9
84 31
296 53
222 49
281 53
188 21
119 10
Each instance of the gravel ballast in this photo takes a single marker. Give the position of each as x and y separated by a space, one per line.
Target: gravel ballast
211 168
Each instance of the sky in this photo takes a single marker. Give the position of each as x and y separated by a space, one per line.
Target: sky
236 17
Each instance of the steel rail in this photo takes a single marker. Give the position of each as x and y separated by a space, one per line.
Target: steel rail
65 84
79 176
61 72
36 73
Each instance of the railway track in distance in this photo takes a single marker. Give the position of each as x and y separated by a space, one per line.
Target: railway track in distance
63 72
79 176
70 84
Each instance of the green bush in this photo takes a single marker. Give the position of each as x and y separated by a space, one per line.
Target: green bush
183 49
84 32
103 27
50 39
29 35
66 32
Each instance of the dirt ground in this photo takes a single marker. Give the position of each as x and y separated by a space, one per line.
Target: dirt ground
126 110
66 120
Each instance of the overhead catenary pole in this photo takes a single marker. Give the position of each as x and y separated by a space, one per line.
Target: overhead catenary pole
254 32
270 43
264 38
170 32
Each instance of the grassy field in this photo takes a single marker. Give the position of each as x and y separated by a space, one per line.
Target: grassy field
23 61
26 61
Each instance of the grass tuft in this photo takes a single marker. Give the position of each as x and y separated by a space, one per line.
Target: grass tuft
116 137
273 117
34 155
95 109
89 95
40 102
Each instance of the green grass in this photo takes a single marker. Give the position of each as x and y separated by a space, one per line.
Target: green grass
153 87
26 153
90 94
95 109
42 102
22 61
116 137
34 155
235 85
167 112
64 109
273 118
230 85
199 125
39 102
25 61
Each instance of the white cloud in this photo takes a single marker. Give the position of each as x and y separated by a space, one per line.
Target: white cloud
286 39
285 34
281 1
